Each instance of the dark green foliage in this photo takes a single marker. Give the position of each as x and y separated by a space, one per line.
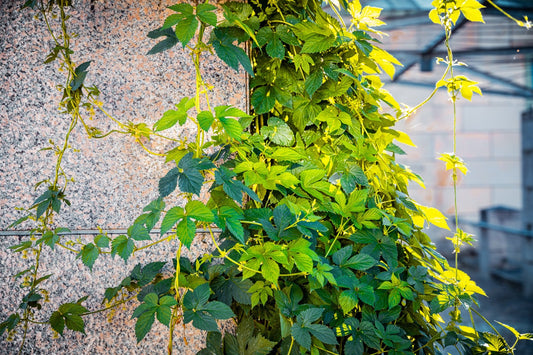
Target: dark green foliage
321 249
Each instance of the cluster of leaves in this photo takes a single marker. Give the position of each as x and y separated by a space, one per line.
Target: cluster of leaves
322 249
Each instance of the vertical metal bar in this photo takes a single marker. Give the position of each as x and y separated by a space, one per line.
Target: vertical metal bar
484 248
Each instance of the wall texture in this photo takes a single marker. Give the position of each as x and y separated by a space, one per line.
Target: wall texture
114 177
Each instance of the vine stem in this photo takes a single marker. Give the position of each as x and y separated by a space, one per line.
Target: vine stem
109 307
427 99
173 316
520 23
486 321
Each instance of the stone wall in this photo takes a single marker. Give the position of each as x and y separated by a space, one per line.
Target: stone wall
114 177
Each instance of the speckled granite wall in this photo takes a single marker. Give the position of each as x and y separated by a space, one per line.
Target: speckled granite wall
114 177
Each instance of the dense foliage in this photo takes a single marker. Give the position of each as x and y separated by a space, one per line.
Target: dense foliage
318 247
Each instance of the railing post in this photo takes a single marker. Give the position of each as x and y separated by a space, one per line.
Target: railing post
484 248
527 268
527 200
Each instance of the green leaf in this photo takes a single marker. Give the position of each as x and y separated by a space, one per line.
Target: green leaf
206 14
144 324
169 182
185 21
287 154
205 119
89 253
230 53
10 323
169 119
303 262
186 231
79 76
301 335
163 315
230 218
232 127
286 35
102 241
138 232
361 262
258 345
175 154
123 246
233 188
323 333
190 179
218 310
394 298
262 100
313 82
305 112
49 238
201 320
270 271
278 132
171 218
57 322
275 48
348 300
303 62
75 322
197 210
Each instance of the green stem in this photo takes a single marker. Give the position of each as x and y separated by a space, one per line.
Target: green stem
109 307
486 321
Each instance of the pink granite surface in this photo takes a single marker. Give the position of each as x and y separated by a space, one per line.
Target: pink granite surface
114 177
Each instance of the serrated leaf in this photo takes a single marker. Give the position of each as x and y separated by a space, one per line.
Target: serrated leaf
262 100
89 253
270 271
278 132
123 246
102 241
75 322
186 28
190 179
201 320
230 53
205 119
169 120
57 322
138 232
287 154
144 324
205 13
301 335
169 182
361 262
171 218
165 44
323 333
313 82
186 231
218 310
197 210
232 127
275 48
303 262
348 300
164 313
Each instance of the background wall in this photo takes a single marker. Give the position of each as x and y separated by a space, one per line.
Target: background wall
115 178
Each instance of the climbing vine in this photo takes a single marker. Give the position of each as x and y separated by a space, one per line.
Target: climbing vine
317 246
